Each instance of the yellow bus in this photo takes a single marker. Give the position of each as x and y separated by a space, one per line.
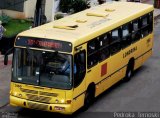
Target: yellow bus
63 65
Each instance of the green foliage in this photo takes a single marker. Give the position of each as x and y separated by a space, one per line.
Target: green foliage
15 26
73 5
66 5
22 21
5 19
58 16
80 5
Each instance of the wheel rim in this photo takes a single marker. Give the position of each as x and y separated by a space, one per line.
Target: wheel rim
87 98
129 74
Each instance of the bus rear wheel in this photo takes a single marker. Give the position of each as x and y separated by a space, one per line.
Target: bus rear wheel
129 71
89 97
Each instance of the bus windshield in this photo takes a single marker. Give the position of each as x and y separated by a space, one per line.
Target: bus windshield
42 68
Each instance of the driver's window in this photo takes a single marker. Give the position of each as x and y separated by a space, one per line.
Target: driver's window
79 67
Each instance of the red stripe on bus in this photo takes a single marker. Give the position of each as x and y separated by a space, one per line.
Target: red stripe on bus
104 69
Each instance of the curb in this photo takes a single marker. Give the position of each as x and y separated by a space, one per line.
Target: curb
156 18
1 107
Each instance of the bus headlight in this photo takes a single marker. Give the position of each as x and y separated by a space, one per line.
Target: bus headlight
15 94
20 95
62 101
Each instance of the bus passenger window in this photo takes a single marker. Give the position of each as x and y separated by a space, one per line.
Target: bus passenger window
104 47
144 22
104 53
136 34
80 65
92 54
126 39
115 36
115 41
135 26
145 26
104 40
92 46
150 22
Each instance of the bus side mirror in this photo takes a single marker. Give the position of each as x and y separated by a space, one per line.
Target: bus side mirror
6 56
5 59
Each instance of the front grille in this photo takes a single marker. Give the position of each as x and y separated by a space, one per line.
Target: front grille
38 98
48 94
29 91
37 106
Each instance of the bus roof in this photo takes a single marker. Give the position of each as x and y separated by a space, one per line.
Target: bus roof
83 26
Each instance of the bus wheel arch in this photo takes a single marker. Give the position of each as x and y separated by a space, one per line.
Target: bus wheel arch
129 70
89 95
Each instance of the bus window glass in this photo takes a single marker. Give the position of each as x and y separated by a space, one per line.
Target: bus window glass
135 26
92 48
104 47
49 69
104 40
144 21
104 53
125 30
115 36
150 22
136 33
92 60
126 39
145 26
80 66
115 41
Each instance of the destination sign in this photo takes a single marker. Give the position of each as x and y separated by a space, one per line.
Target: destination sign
44 44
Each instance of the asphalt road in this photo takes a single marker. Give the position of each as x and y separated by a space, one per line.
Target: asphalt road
140 94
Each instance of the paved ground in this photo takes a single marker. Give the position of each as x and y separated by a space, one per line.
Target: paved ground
5 75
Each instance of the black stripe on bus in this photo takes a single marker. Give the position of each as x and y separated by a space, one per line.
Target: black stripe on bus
79 95
143 54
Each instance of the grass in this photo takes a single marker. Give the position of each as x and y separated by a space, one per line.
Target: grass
15 26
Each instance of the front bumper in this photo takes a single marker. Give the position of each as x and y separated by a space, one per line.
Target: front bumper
59 108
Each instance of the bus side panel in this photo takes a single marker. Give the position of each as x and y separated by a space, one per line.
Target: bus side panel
148 44
93 76
115 72
78 102
138 63
137 54
144 50
79 91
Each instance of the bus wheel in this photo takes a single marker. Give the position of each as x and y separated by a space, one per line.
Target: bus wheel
89 97
129 71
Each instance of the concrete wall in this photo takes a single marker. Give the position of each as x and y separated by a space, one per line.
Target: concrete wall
14 14
49 11
29 9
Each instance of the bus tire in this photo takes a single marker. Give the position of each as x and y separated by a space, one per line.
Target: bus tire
129 71
89 97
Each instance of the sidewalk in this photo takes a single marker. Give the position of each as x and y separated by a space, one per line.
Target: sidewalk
5 76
